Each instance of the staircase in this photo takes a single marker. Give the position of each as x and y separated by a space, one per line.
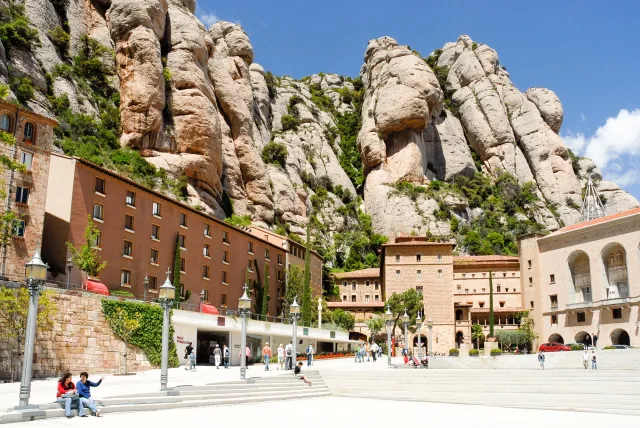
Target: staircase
284 387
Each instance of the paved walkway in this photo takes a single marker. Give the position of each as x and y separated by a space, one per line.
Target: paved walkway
338 411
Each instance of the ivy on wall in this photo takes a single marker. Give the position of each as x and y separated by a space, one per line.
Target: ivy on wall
148 336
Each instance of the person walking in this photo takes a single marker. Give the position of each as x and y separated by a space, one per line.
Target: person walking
362 352
541 359
367 351
289 354
310 352
594 364
374 351
280 358
266 354
227 355
585 359
84 391
357 360
67 393
192 360
217 356
187 355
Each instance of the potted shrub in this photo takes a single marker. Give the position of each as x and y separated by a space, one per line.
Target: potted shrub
496 352
454 352
474 352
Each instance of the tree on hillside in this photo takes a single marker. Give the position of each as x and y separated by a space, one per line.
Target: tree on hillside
14 308
410 300
87 258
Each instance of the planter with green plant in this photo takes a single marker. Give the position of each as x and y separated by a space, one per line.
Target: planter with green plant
474 352
454 352
496 352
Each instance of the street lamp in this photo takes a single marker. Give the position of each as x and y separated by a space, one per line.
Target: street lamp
388 320
166 294
202 295
294 314
430 325
244 308
418 325
145 286
405 323
35 275
69 268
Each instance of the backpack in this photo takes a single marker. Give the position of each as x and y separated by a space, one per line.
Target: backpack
226 352
288 352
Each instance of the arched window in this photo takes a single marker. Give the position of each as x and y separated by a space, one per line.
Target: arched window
5 123
29 132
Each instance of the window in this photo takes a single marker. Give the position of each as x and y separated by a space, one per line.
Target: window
617 313
266 253
22 195
279 276
498 289
183 265
249 265
502 304
552 278
98 211
344 298
344 283
506 290
97 241
26 159
581 316
153 283
279 259
554 319
529 263
127 249
466 290
29 132
439 257
19 228
205 272
531 304
483 290
183 220
530 281
397 258
154 256
128 222
130 199
353 298
366 298
251 247
353 285
125 277
367 283
376 285
155 232
100 186
418 274
397 274
182 241
439 273
418 257
481 304
459 287
223 299
205 250
376 298
224 277
156 209
225 237
225 255
419 288
554 300
5 123
504 274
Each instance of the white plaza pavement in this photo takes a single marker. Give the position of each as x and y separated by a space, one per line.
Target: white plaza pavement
342 412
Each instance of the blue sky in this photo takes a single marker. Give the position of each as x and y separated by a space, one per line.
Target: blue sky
586 51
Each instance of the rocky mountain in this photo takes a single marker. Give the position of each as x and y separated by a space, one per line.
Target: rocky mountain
438 145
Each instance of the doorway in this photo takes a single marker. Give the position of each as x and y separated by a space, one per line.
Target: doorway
206 343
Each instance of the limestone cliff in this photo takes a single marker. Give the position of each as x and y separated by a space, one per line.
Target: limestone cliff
193 103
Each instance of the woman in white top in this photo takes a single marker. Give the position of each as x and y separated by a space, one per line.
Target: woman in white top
280 357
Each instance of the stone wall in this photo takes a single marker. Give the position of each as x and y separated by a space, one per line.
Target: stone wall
79 340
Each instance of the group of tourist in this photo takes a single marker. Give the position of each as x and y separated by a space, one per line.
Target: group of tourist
369 350
219 356
285 356
79 393
586 357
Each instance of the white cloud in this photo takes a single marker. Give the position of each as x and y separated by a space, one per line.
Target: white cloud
208 18
616 140
583 118
626 179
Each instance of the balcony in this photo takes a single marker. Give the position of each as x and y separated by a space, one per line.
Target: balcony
617 273
582 280
604 302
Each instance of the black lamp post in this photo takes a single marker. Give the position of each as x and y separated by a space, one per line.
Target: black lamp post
69 268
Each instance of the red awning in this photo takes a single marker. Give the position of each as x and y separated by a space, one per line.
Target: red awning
95 286
209 309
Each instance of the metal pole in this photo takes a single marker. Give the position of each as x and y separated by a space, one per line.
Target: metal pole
164 370
419 342
295 340
430 341
243 346
144 299
68 275
388 345
25 382
406 337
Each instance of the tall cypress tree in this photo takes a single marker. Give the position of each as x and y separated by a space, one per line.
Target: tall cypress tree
491 320
176 278
306 307
265 290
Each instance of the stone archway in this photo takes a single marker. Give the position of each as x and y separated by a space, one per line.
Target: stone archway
614 259
555 337
459 338
620 337
580 268
584 338
424 344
